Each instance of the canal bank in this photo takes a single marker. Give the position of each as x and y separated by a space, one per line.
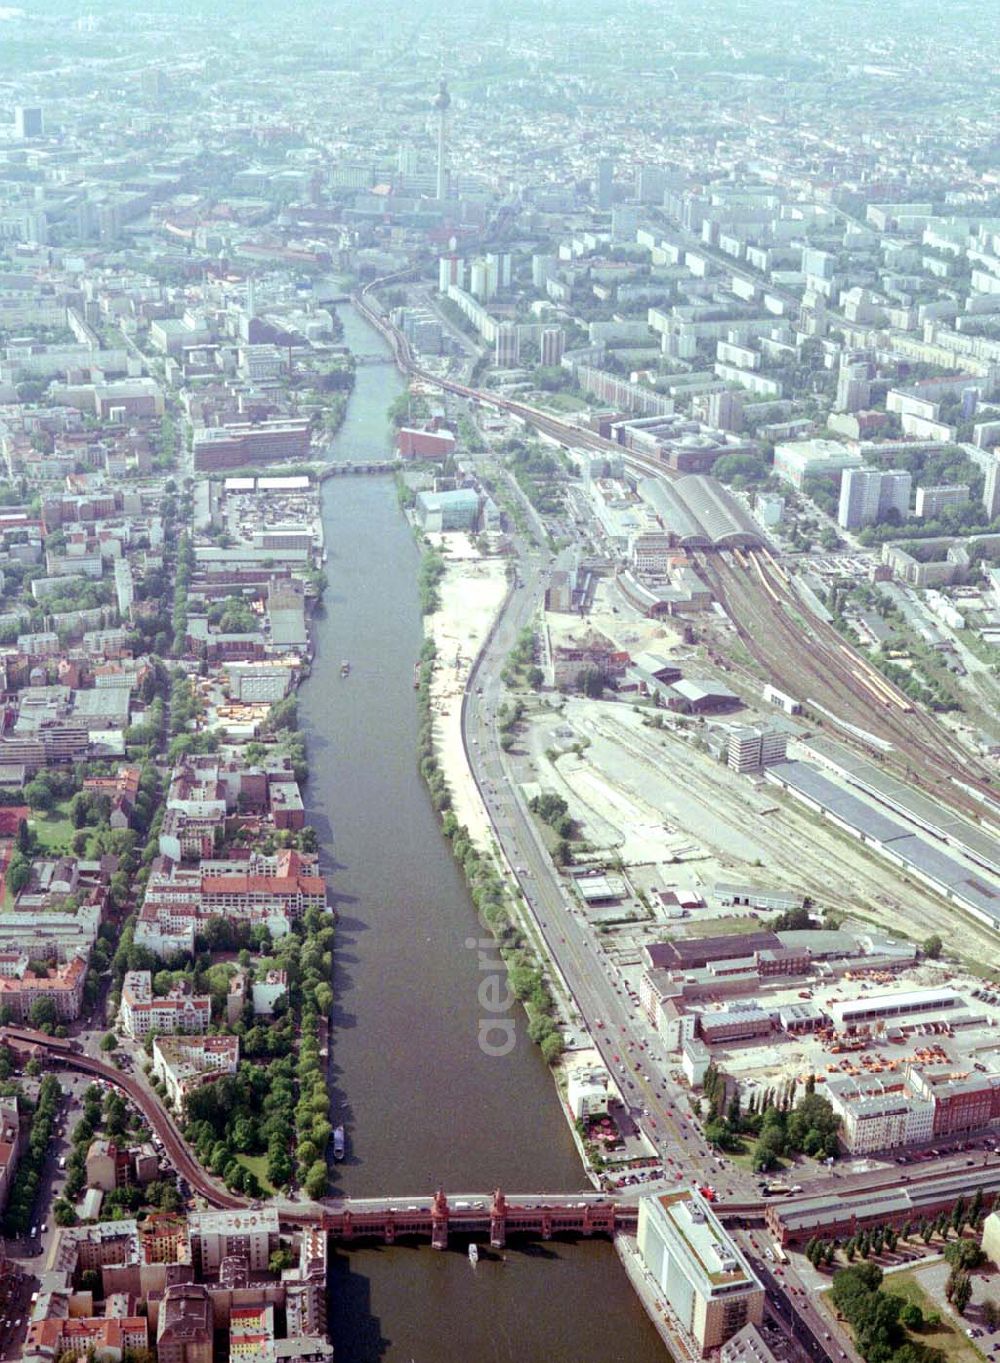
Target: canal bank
424 1104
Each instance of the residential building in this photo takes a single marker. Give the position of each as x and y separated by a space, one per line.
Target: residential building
725 410
107 1165
551 346
143 1012
185 1063
185 1329
706 1283
124 587
11 1139
28 122
107 1337
587 1092
250 1234
868 495
876 1115
507 346
244 896
931 501
991 488
62 984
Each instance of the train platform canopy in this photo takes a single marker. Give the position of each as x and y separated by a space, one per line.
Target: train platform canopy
929 814
979 894
700 513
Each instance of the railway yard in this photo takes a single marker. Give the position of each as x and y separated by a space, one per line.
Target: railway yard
806 657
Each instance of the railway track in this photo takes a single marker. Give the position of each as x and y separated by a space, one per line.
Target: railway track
816 662
808 661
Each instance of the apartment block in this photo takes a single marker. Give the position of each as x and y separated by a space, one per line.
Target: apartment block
143 1012
867 495
931 501
185 1063
250 1234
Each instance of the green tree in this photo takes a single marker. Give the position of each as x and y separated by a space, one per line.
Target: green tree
43 1013
316 1179
911 1316
933 946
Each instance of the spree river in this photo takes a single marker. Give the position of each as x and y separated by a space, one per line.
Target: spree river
423 1103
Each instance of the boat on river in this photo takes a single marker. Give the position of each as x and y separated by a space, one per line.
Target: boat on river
345 668
339 1145
473 1254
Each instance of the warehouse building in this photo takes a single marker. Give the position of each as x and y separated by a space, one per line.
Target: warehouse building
850 1014
704 1278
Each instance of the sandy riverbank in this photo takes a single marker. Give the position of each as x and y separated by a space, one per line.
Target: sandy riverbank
471 591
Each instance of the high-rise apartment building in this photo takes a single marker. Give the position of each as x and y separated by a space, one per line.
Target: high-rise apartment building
604 184
27 122
551 347
991 489
542 266
853 388
725 411
507 346
867 495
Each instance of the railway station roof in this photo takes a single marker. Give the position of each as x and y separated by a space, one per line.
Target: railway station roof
700 513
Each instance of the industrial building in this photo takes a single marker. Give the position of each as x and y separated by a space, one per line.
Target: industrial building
850 1015
705 1280
750 748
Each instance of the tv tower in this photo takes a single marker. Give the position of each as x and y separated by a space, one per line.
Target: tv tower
442 102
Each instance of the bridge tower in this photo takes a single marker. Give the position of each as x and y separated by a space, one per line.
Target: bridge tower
439 1221
546 1225
498 1220
390 1228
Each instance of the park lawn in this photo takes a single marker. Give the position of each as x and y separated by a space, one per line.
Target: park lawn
257 1164
562 402
54 829
950 1338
